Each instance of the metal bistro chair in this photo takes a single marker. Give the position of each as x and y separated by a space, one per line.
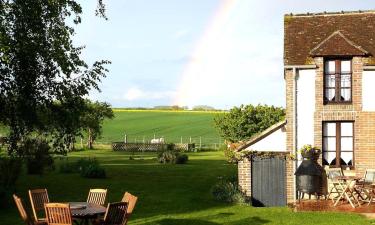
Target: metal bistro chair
334 186
58 214
38 198
25 216
114 215
131 200
97 196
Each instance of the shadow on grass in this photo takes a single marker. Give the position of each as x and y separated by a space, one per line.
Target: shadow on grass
249 220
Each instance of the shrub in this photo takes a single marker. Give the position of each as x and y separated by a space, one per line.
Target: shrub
227 190
90 168
167 157
37 155
93 171
182 159
10 170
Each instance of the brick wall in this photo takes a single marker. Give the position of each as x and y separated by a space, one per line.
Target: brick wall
244 176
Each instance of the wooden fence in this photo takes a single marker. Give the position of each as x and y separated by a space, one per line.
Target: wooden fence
148 147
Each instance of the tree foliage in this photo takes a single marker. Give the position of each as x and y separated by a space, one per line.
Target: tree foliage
43 79
242 122
92 120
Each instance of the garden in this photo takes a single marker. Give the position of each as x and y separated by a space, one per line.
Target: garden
168 193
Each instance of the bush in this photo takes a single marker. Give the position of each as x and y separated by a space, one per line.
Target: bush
37 155
227 190
87 167
93 171
90 168
182 159
10 170
167 157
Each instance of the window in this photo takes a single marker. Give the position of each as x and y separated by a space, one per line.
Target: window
338 144
338 81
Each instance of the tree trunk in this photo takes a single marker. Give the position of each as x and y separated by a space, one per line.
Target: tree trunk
89 139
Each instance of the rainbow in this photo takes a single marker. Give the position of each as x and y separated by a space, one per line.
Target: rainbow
207 55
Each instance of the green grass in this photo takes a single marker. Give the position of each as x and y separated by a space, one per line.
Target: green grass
168 194
172 125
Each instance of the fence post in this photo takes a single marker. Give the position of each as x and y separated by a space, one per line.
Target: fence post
200 143
190 139
181 139
125 139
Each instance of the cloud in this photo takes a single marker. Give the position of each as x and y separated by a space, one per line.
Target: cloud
136 94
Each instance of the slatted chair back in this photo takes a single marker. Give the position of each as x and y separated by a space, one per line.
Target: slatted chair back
131 200
97 196
58 214
116 213
21 209
38 197
370 176
334 172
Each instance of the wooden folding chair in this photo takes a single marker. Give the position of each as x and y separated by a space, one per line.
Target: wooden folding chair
114 215
131 200
58 214
367 187
25 216
97 196
334 186
38 197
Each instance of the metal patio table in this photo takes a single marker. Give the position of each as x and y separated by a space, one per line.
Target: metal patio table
86 211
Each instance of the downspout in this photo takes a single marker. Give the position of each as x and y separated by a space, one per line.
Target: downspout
295 128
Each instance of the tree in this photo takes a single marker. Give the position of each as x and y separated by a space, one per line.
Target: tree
243 122
43 79
96 113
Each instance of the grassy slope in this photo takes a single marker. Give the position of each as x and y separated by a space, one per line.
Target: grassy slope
168 194
168 124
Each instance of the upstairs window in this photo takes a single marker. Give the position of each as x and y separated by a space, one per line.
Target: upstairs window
338 81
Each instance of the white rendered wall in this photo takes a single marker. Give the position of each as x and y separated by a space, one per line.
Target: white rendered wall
274 142
305 107
368 91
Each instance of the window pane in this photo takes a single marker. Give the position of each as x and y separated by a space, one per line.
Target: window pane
330 94
346 158
330 66
346 144
329 157
345 66
330 80
346 80
329 129
347 129
329 144
345 94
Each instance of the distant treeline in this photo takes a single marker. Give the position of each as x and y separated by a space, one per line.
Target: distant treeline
174 108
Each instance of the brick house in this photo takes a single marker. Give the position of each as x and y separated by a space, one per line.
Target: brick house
329 72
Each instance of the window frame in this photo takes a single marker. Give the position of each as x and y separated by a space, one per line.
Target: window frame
338 73
338 138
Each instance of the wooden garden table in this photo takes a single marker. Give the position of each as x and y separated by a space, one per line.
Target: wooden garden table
85 211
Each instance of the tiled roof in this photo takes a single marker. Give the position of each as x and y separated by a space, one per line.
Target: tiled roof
328 34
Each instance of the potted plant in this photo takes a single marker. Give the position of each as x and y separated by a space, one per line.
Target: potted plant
310 152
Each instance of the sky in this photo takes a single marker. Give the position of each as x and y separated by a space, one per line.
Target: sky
221 53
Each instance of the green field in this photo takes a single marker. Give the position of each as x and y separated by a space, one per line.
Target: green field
168 194
171 125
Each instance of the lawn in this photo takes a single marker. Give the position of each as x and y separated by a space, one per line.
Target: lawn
172 125
168 194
